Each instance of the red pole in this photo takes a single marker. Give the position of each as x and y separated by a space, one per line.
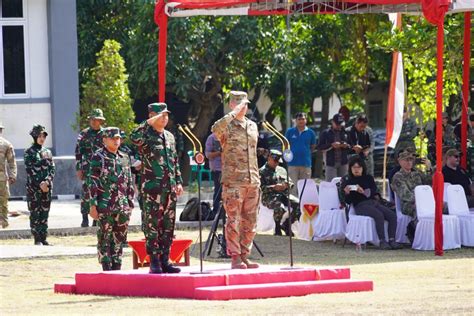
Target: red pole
438 179
162 43
465 87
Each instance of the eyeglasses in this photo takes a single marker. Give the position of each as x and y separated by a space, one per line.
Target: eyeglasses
455 156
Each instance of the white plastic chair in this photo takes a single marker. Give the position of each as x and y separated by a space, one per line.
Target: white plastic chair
457 205
310 196
336 180
361 229
445 191
402 222
331 221
265 220
424 234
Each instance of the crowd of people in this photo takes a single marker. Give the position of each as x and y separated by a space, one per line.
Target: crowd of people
245 172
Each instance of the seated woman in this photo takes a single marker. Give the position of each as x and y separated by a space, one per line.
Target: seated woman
360 191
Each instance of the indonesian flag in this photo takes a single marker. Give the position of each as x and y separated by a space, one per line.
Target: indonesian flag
396 96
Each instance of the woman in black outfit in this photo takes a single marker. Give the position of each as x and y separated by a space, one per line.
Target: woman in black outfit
360 191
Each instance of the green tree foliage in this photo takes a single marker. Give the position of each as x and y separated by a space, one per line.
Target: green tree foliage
107 89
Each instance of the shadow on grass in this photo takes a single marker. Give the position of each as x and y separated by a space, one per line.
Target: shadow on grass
276 251
99 299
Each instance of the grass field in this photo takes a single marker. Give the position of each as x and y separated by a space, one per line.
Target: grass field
405 282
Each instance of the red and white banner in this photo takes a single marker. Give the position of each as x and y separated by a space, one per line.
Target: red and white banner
396 96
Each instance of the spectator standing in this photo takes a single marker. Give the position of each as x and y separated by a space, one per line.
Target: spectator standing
7 176
213 154
359 139
303 142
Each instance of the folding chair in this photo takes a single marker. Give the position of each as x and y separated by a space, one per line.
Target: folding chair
457 205
402 222
309 205
331 221
424 233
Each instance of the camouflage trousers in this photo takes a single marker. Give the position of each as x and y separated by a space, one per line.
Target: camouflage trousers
241 206
278 202
158 219
39 203
4 195
85 205
111 236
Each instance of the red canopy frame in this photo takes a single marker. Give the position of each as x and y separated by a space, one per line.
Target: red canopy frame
433 10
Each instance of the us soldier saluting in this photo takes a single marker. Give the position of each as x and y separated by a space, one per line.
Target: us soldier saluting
240 179
161 183
111 198
275 192
40 172
7 176
88 142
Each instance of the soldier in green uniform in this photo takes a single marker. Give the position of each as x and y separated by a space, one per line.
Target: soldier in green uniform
275 188
7 176
111 198
40 172
161 183
88 142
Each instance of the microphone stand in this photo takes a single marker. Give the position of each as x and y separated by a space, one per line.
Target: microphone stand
199 159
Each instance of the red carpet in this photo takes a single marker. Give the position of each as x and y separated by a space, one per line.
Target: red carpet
221 284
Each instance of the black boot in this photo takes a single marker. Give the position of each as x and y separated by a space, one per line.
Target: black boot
37 241
166 265
155 264
85 220
94 223
277 229
44 242
116 266
106 266
287 228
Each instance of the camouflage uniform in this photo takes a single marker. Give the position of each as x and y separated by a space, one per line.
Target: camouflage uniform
277 200
7 155
88 142
407 134
240 180
160 174
39 167
111 191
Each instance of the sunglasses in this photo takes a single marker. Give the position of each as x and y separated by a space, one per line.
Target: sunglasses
455 156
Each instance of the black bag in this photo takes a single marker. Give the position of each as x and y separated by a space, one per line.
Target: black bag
191 211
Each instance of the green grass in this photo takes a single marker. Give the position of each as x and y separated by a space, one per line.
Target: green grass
405 281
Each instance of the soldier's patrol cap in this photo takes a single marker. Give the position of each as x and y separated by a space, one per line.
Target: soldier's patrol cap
445 115
276 155
406 155
37 130
111 132
238 97
452 152
97 114
158 108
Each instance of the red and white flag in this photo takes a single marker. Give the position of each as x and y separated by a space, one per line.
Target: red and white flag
396 96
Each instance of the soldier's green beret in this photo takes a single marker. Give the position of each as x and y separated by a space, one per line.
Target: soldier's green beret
276 155
406 155
37 130
96 114
111 132
238 97
158 108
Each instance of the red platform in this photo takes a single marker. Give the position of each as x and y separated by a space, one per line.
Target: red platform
221 284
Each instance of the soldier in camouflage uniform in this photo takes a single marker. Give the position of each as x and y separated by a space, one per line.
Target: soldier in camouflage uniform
275 192
405 181
40 172
161 183
111 198
7 176
240 179
407 134
88 142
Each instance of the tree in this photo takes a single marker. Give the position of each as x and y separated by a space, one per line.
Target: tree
107 89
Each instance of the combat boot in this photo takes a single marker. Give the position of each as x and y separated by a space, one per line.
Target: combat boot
155 264
37 241
248 263
287 228
44 242
116 266
106 266
166 265
85 220
237 262
94 223
277 229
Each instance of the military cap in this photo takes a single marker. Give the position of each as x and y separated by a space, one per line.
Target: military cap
97 114
238 97
158 108
37 130
452 152
406 155
445 115
111 132
276 155
338 119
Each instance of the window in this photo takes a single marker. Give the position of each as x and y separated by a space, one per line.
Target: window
13 80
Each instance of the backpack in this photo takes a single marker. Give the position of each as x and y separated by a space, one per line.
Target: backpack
191 211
